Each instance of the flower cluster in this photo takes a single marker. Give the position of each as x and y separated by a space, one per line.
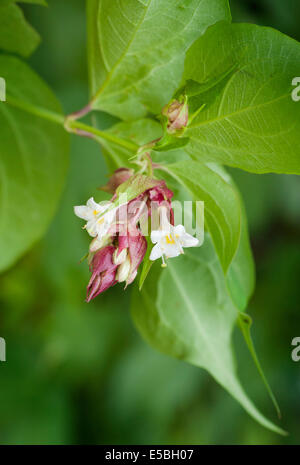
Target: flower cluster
117 226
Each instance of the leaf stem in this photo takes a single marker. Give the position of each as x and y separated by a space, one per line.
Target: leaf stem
70 125
36 110
73 125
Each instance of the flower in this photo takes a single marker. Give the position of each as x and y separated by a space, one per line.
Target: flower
169 240
99 217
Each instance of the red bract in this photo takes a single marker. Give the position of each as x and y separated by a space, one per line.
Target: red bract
160 193
107 268
119 176
161 196
103 272
137 246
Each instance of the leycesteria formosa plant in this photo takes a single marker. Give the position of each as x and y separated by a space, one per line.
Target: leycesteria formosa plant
189 93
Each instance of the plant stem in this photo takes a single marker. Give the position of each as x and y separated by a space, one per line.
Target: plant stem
71 125
131 146
38 111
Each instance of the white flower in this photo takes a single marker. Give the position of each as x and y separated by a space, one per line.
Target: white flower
170 240
99 217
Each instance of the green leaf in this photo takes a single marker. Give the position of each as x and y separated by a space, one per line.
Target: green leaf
222 209
240 278
33 162
136 50
185 311
240 282
169 142
241 273
16 34
249 120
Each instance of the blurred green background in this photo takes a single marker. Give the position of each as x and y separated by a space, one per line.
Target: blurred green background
79 373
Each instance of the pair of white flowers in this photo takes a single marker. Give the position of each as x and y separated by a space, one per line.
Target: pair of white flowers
99 218
169 240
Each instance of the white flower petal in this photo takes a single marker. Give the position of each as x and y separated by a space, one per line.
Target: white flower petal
179 230
119 258
156 236
172 250
91 228
156 252
123 270
92 204
82 211
110 215
187 240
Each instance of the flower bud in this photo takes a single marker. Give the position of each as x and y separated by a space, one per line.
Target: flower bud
103 272
177 114
119 176
123 270
119 257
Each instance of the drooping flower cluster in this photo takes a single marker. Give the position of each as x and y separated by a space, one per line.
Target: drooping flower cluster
117 227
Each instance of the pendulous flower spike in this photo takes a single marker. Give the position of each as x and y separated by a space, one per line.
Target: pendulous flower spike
119 245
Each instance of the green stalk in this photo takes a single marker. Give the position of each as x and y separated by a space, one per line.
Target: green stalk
37 111
69 124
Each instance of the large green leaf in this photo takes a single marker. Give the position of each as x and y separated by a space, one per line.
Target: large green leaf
137 49
33 162
222 208
16 34
241 274
243 73
186 312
